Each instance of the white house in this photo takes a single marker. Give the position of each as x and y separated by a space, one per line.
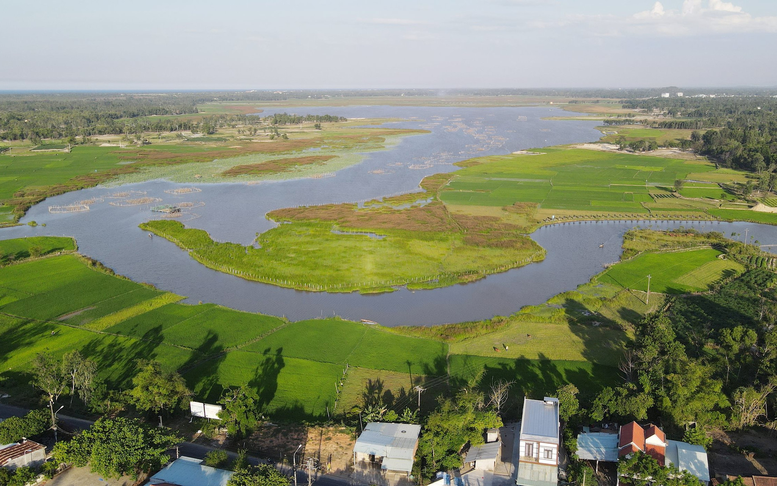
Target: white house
188 471
25 453
539 443
484 457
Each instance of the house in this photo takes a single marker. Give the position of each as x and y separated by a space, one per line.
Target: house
652 441
24 453
393 446
689 457
597 446
665 95
539 443
484 457
188 471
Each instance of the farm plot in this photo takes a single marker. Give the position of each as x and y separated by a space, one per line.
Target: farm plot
673 273
574 179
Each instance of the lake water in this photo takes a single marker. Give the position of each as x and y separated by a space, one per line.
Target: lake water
236 212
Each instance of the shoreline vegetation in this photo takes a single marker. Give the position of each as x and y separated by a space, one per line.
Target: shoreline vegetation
469 223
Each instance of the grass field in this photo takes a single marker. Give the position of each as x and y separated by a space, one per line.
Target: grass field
59 303
572 179
643 133
420 247
20 248
673 273
744 215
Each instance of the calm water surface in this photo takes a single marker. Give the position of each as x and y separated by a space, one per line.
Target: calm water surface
236 212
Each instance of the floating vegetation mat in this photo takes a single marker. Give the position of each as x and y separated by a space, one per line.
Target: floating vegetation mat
136 202
183 190
125 194
71 208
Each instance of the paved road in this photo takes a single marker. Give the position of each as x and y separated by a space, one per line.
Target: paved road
190 449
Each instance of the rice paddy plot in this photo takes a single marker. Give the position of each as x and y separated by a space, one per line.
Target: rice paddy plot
560 178
287 387
744 215
535 377
20 248
673 273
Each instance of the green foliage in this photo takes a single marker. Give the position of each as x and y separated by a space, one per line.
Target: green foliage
698 436
456 422
569 406
262 475
155 390
115 447
241 410
13 429
642 470
626 402
217 458
21 476
579 472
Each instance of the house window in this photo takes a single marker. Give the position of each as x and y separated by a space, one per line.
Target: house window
529 450
548 453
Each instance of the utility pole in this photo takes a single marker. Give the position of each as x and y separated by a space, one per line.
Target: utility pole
419 389
294 463
310 471
746 240
647 301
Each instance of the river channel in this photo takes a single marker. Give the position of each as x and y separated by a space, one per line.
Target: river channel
236 212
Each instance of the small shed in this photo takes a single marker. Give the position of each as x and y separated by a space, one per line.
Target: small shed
492 435
393 446
25 453
188 471
484 457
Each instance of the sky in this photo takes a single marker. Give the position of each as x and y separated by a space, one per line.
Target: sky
343 44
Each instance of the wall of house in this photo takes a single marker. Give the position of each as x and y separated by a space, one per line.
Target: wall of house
541 453
33 459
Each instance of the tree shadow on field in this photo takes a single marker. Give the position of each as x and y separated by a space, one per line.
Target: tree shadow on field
438 366
112 353
201 369
265 380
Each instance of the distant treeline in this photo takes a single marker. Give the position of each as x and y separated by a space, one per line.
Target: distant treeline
68 116
736 132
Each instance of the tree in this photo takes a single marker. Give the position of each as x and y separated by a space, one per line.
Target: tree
749 404
456 422
698 436
154 390
262 475
115 447
49 379
498 393
568 405
241 410
678 185
641 469
217 458
81 372
13 429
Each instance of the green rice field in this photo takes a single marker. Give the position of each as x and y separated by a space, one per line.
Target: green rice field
571 179
673 273
59 303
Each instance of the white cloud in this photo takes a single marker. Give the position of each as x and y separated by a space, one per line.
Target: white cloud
719 17
721 6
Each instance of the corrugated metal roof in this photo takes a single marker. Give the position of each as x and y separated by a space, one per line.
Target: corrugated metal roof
395 443
483 452
540 419
688 457
598 446
14 451
187 471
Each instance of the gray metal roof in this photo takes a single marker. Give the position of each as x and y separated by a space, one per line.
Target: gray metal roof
598 446
187 471
485 452
395 443
688 457
540 419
